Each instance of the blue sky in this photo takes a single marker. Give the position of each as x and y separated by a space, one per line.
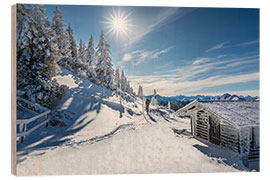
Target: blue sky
186 51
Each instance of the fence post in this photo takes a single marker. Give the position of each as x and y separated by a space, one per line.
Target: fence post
22 129
47 123
22 137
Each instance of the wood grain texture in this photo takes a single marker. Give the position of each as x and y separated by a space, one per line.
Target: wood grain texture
13 91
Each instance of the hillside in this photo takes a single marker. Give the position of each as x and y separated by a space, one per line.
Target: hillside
104 134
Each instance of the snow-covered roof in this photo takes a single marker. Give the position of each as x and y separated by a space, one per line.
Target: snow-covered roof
242 113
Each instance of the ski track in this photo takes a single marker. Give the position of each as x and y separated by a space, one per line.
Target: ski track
106 137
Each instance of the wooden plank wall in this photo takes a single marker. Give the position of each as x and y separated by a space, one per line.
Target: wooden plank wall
229 137
202 125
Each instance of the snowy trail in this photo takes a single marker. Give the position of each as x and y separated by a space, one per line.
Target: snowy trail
103 137
145 149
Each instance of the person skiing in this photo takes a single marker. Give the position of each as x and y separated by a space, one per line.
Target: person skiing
147 102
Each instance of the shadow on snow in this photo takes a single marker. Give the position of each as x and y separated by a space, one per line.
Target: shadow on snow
83 100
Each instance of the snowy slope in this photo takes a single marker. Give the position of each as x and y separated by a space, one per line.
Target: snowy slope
103 136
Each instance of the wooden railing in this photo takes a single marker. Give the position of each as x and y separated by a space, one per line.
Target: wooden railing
24 131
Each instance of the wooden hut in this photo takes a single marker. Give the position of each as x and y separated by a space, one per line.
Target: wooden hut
234 125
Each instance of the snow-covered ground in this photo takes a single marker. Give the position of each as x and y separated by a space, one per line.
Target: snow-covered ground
104 137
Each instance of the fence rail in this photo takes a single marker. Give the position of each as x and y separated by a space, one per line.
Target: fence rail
24 131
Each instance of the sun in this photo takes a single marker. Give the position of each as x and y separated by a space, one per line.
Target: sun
118 24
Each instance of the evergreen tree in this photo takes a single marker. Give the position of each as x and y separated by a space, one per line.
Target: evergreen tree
123 81
91 59
128 87
61 34
140 92
131 91
154 101
23 23
104 65
169 105
82 52
73 45
38 55
74 62
108 67
117 79
80 63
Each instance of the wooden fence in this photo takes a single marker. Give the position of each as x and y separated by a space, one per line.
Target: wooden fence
24 131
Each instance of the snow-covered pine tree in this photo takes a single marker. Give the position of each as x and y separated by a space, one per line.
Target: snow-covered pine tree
82 52
169 105
154 101
81 65
100 66
117 78
123 81
38 55
104 69
140 92
23 23
91 60
132 91
61 34
73 63
109 67
128 87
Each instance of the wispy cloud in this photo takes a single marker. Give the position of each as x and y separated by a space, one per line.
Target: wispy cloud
247 43
196 76
201 60
140 56
156 54
170 85
225 45
127 57
218 46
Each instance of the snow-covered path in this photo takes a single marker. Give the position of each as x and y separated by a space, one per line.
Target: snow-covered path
103 137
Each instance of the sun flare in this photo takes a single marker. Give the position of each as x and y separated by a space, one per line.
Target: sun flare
118 24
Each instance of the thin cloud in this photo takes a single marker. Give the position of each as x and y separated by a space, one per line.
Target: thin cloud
156 54
140 56
169 86
224 45
127 57
218 46
201 60
247 43
195 77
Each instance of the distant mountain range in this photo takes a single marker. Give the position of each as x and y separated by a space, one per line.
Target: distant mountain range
183 100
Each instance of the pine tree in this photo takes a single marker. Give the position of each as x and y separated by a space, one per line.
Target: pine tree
61 34
82 52
140 92
123 81
73 63
73 45
128 87
38 55
104 65
132 91
169 105
80 63
23 23
117 79
154 101
108 67
91 59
